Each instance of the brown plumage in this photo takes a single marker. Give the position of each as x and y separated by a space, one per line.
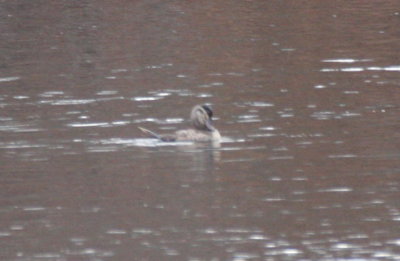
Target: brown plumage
201 128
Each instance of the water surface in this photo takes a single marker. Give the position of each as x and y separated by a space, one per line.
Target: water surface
305 93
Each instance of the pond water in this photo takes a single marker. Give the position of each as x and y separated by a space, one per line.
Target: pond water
305 93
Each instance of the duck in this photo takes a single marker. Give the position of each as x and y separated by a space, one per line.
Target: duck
201 129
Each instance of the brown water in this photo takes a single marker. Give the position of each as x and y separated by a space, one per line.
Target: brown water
306 95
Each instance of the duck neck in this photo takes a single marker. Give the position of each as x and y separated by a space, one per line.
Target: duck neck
209 126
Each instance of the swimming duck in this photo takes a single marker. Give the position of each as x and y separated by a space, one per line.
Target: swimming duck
201 129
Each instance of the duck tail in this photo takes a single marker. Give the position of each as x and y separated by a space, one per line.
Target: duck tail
153 134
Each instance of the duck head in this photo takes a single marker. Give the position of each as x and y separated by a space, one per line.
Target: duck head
201 117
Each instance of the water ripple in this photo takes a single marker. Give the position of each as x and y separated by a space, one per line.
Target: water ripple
145 142
393 68
89 124
68 101
328 115
19 145
9 79
19 127
346 60
338 189
146 98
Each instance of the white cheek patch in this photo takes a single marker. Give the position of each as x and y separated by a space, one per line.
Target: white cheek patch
199 116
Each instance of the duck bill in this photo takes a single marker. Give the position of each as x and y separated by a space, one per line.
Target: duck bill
209 126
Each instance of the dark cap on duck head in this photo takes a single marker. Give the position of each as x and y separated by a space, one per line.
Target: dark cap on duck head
208 110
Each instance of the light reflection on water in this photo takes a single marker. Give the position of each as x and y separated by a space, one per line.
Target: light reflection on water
393 68
307 167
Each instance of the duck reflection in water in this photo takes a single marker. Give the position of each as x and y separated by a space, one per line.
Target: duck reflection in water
201 128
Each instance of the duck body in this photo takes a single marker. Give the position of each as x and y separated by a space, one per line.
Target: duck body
201 130
197 135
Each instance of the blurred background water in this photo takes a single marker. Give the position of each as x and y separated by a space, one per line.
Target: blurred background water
305 93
